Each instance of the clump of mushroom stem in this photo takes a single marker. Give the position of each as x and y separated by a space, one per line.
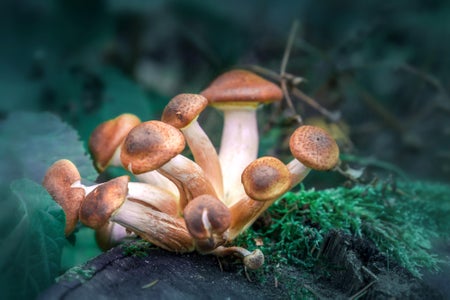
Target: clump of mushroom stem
182 204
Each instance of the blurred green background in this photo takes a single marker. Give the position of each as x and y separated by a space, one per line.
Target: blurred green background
385 66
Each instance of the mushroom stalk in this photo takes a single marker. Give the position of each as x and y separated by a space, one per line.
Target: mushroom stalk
161 229
205 155
298 172
238 148
191 177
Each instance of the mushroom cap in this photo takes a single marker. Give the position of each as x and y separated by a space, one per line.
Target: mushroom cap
108 136
241 88
206 215
57 181
266 178
183 109
314 147
103 201
150 145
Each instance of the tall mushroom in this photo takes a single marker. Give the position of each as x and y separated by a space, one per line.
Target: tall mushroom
237 94
313 148
182 112
58 182
155 145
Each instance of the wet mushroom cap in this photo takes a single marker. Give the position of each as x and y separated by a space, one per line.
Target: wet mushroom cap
108 136
150 145
183 109
241 86
266 178
205 215
314 147
103 201
57 181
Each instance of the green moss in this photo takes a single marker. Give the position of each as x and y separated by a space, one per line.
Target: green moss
402 220
80 273
137 248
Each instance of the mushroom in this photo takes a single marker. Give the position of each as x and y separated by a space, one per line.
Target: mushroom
238 93
264 180
182 112
57 181
313 148
155 145
207 220
105 140
113 201
105 146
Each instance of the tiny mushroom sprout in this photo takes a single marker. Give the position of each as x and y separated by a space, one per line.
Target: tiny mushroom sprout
238 93
182 112
185 205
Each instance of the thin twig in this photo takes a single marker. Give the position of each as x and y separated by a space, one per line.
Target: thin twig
362 291
283 79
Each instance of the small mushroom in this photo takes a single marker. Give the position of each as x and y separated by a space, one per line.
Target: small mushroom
207 220
112 201
182 112
155 145
238 93
313 148
265 180
106 139
105 145
58 181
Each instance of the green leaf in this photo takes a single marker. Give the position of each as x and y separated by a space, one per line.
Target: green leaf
32 240
31 142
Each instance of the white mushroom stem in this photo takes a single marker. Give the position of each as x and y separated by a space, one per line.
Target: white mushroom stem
115 159
252 260
149 195
157 179
238 148
152 177
298 172
161 229
205 154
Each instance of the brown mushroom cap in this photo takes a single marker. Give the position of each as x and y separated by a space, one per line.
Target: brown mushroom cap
241 88
183 109
103 201
150 145
314 147
108 136
57 181
266 178
206 215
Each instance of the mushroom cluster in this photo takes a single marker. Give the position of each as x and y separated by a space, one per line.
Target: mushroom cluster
182 204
